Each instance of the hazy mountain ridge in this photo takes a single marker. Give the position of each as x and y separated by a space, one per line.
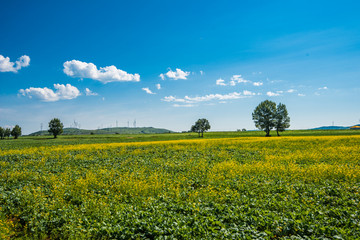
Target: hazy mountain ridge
333 127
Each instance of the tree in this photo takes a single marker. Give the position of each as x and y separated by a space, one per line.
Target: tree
55 127
264 116
201 126
282 120
2 131
16 131
7 132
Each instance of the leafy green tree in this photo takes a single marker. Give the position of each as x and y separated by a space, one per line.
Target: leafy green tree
264 116
55 127
282 119
7 132
16 131
201 126
2 132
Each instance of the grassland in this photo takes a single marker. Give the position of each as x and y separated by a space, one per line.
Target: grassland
228 185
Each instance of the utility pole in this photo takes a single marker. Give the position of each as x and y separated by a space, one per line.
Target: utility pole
135 123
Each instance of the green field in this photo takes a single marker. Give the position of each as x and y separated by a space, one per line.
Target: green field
38 141
229 185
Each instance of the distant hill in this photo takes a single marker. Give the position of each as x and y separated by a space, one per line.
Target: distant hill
115 130
330 128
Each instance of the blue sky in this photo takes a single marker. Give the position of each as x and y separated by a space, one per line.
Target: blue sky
168 63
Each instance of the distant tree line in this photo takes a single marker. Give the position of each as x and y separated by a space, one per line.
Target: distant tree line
7 132
266 116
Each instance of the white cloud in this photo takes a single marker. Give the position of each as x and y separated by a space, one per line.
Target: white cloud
210 97
323 88
75 68
88 92
148 91
301 95
236 79
183 105
257 84
7 66
291 90
239 79
173 99
248 93
179 74
48 95
158 86
220 82
232 83
201 72
272 94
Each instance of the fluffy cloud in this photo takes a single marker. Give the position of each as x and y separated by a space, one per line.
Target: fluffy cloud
183 105
291 90
248 93
257 84
158 86
173 99
48 95
7 66
75 68
220 82
209 97
148 91
301 95
178 74
88 92
238 79
272 94
323 88
201 72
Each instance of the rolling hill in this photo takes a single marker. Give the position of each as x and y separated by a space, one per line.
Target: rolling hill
115 130
330 128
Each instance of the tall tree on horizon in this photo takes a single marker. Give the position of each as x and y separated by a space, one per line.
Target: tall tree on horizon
16 131
55 127
282 119
264 116
201 126
2 131
7 132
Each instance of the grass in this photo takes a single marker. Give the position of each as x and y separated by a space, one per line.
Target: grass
37 141
230 185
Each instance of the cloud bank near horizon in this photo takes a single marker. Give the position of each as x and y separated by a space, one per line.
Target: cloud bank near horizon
210 97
